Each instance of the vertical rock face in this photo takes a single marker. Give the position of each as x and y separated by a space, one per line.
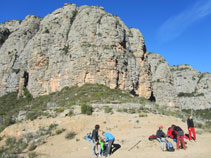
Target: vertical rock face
193 88
179 86
13 60
162 81
73 46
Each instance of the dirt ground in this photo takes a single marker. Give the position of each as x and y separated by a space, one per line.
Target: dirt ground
128 129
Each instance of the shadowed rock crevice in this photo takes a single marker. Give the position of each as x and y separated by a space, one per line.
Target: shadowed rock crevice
26 78
152 98
123 43
4 34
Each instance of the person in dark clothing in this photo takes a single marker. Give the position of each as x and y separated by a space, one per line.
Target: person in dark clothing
180 136
161 137
95 139
191 128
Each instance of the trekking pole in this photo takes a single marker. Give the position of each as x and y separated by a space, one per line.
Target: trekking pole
134 145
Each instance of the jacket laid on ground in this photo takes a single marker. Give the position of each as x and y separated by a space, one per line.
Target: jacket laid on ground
160 134
190 123
95 135
108 136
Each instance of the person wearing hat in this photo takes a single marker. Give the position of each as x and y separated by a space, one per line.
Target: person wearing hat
161 137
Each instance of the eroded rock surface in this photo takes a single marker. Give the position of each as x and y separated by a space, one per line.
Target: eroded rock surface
73 46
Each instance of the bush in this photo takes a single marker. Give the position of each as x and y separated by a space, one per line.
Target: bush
181 94
132 111
29 137
142 115
107 109
15 146
7 121
27 94
193 94
119 110
70 135
10 141
59 131
32 115
125 110
65 49
32 147
71 113
85 109
33 155
52 126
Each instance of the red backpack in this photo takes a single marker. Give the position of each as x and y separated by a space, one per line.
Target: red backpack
152 137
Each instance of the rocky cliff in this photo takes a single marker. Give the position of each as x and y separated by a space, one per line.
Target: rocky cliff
179 86
78 45
72 46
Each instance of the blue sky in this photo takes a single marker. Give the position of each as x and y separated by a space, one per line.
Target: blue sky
179 30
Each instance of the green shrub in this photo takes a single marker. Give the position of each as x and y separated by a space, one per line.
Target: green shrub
119 110
7 121
32 115
59 110
27 94
10 141
74 13
125 110
132 111
142 115
46 31
16 71
32 147
193 94
52 126
29 137
15 146
71 113
107 109
181 94
33 155
59 131
70 135
86 109
66 48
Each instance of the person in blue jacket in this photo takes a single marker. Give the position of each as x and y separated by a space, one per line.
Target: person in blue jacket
109 138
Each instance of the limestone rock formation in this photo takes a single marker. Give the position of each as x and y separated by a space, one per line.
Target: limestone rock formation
78 45
179 86
72 46
162 81
193 88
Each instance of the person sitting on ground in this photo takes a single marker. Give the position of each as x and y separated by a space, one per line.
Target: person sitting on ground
191 128
95 139
180 136
109 138
161 136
